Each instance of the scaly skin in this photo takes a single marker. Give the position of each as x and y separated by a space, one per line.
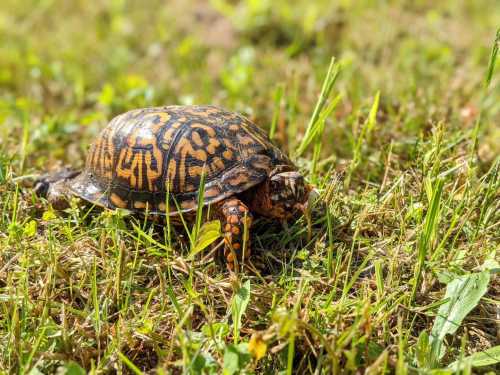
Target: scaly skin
237 220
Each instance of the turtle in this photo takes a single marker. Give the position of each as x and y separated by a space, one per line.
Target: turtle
157 160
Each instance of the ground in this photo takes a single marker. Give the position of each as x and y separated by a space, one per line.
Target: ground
405 158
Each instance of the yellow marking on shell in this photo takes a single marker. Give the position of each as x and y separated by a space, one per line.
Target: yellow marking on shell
212 110
188 204
102 153
164 116
137 166
228 154
196 138
212 192
95 156
228 143
195 171
234 127
237 180
185 148
138 157
109 155
182 172
145 141
245 140
131 140
102 156
166 140
117 201
97 160
210 131
151 173
140 205
162 206
91 157
255 135
217 164
124 158
213 143
171 173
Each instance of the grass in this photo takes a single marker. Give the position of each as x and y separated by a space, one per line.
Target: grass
402 144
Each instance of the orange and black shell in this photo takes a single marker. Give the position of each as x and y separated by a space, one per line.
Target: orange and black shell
153 159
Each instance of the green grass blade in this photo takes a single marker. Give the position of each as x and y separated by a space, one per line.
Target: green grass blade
493 59
429 230
130 364
330 79
278 97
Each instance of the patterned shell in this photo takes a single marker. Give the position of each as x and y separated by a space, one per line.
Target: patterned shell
153 159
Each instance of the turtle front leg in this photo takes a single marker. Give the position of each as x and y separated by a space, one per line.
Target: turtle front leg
237 221
52 186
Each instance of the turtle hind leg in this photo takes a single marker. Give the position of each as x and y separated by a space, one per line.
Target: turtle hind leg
236 220
52 186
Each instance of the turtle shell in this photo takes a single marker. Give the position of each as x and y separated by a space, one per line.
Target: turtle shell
153 159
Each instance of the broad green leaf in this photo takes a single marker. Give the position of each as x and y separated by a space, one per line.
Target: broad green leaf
487 358
463 294
209 232
238 307
236 357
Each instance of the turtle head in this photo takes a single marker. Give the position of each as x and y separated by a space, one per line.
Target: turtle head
54 187
287 194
